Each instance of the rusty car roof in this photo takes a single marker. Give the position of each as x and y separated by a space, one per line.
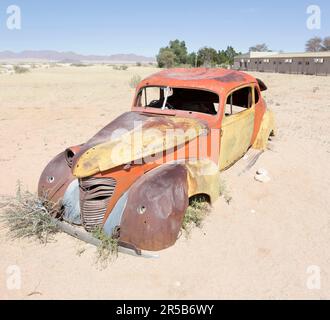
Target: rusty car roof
213 79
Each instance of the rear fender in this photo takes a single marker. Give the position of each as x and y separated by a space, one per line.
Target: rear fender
266 129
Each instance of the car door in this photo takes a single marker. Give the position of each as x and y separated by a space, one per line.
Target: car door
237 126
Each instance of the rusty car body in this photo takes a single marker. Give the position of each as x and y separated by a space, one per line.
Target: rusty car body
135 177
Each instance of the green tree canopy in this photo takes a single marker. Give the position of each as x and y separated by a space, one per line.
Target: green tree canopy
180 50
166 58
207 57
192 59
176 54
176 50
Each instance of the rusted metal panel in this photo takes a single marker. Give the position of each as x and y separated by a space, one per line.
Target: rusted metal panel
214 79
266 128
95 194
148 138
203 178
55 179
155 208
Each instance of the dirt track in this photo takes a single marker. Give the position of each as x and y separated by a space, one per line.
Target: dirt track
260 246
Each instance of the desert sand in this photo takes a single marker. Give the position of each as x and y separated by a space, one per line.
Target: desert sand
260 246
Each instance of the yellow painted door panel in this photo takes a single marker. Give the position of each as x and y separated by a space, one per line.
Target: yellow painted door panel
237 131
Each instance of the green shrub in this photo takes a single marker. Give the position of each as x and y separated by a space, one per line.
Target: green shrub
108 248
195 214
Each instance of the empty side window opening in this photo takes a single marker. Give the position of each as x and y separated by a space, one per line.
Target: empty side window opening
239 101
166 98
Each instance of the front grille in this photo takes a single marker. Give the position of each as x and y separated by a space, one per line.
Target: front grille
95 194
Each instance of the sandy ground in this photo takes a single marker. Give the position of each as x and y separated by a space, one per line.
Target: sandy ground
259 246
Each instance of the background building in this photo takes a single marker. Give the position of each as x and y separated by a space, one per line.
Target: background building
311 63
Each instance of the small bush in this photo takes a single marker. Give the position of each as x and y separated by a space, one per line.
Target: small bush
80 65
139 64
195 214
134 82
28 216
123 67
19 69
108 248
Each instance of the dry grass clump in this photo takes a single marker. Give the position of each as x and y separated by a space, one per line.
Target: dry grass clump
134 81
195 214
122 67
20 70
108 247
28 216
79 65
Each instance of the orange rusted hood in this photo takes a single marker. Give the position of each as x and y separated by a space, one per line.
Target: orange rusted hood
134 136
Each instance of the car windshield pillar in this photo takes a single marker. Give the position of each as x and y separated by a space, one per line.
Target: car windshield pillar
167 92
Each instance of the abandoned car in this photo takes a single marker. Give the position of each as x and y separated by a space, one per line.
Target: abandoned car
135 177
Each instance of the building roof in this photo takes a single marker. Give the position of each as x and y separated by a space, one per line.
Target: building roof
214 79
267 55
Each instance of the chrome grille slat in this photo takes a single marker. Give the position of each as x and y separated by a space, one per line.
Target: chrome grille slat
95 194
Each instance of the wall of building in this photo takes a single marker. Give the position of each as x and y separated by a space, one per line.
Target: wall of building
303 65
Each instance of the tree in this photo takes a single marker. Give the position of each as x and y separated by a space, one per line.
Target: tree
166 58
192 59
176 54
227 56
231 54
314 45
259 48
176 50
207 57
222 57
180 50
326 44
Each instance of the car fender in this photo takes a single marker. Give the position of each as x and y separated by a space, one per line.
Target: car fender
155 208
267 129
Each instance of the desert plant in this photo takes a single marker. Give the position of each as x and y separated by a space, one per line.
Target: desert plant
134 81
195 214
139 64
19 69
108 247
122 67
78 65
26 216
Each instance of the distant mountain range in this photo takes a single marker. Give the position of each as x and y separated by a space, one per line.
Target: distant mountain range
51 55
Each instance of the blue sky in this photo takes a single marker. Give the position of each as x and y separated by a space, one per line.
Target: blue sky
143 26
